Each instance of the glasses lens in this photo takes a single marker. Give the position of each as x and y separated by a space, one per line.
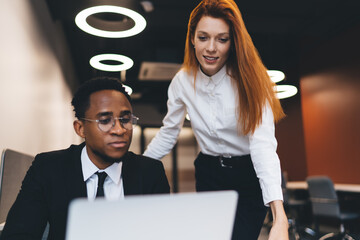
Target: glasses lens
134 121
128 122
106 123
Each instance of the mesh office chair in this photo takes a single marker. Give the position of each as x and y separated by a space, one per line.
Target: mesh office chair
325 204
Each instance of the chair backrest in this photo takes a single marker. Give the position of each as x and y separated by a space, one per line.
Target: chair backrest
13 167
323 197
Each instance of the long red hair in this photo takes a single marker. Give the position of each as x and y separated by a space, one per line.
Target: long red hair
244 65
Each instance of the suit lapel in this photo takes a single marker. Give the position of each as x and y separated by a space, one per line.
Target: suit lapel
74 179
131 176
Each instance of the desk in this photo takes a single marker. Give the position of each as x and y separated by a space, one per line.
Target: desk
338 186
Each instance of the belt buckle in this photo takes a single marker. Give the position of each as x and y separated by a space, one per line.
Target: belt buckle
222 162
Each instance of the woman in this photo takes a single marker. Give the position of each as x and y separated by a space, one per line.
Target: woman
225 89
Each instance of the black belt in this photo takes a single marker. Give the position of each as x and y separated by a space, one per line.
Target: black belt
229 162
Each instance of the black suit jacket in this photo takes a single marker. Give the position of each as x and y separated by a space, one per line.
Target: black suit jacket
56 178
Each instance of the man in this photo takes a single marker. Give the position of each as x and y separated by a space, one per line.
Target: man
105 121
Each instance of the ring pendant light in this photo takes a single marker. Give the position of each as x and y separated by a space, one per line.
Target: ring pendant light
282 91
96 63
285 91
140 22
276 75
128 89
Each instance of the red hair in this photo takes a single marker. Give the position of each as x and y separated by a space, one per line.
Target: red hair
244 65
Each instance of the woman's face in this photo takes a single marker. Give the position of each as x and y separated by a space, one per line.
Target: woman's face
212 44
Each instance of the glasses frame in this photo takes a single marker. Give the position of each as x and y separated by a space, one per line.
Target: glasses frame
132 118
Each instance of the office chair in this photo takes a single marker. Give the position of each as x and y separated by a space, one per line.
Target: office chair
324 202
13 168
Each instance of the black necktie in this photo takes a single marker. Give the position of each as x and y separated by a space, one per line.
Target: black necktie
101 180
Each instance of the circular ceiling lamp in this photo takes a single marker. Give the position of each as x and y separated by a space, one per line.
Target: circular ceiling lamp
276 75
126 62
128 89
82 23
285 91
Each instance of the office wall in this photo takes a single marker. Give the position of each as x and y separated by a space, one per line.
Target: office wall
34 97
330 93
290 137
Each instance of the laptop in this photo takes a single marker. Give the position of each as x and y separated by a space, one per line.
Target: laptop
181 216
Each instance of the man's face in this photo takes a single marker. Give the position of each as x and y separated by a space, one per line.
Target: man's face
104 148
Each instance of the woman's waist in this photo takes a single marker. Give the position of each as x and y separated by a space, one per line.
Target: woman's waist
242 161
227 146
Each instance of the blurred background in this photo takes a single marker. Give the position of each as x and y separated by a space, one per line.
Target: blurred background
45 56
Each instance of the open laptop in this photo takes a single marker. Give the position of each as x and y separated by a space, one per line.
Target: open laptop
182 216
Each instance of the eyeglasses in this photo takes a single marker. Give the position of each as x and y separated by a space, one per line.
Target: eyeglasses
106 123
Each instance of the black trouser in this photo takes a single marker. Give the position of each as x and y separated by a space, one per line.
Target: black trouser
234 174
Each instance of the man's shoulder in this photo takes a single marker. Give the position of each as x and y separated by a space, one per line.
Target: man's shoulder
61 153
143 159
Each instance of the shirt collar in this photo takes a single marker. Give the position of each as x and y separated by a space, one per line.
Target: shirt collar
216 78
89 168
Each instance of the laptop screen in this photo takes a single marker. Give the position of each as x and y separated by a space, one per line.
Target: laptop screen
190 216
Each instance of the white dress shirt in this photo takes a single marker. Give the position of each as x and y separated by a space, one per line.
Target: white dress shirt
113 185
212 108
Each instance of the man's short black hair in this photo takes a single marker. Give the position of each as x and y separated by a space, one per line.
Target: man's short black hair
81 99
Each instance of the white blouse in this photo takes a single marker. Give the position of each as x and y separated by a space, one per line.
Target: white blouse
212 108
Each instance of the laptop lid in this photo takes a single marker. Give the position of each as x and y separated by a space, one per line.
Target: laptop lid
190 216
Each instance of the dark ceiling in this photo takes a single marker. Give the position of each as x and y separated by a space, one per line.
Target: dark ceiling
282 30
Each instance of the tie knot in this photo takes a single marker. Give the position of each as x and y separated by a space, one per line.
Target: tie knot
101 178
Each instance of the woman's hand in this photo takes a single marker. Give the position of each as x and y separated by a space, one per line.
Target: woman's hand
279 229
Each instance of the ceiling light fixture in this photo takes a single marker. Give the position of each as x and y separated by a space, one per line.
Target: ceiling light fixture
285 91
123 79
276 75
127 63
128 89
140 22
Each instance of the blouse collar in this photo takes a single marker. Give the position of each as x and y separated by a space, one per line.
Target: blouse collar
216 78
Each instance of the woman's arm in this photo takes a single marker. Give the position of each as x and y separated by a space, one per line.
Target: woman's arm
166 138
266 162
279 230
